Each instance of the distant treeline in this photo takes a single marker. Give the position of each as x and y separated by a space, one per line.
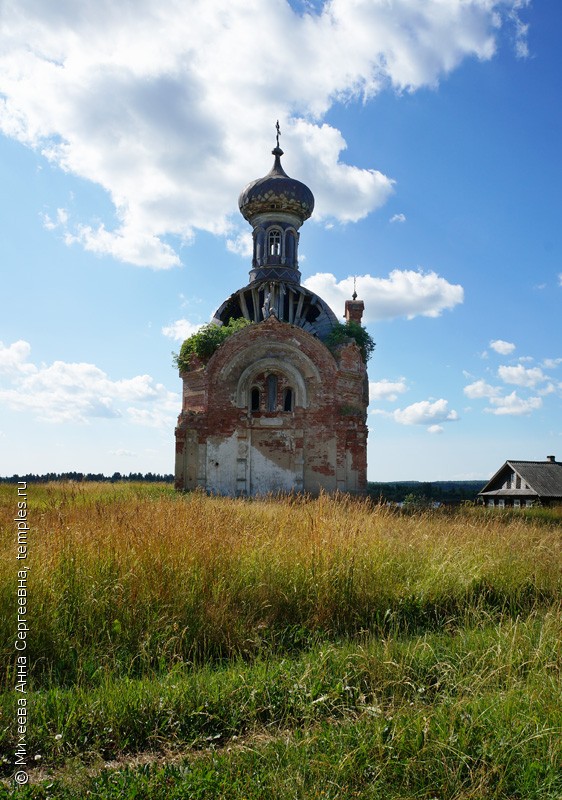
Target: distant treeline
435 491
149 477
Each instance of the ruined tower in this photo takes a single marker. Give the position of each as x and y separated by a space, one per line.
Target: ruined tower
280 405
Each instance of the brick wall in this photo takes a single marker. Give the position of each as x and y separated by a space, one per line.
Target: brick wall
224 446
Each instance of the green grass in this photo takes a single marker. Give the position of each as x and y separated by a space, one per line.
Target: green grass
283 648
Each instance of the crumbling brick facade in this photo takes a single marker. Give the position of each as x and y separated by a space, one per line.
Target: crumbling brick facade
307 433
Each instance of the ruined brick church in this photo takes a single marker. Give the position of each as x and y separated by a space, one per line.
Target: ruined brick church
275 409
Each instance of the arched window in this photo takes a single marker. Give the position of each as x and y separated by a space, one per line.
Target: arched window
288 399
255 399
274 243
272 392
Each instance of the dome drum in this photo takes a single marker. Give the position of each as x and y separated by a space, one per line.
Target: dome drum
288 301
275 243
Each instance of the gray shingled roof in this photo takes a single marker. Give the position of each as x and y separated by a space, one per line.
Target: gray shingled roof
543 477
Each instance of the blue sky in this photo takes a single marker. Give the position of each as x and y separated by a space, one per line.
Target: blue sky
429 132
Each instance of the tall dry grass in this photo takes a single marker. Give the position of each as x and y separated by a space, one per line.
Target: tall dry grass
131 580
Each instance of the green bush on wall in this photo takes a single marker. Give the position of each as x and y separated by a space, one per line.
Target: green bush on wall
206 341
343 331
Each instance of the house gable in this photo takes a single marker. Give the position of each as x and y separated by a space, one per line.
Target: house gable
518 481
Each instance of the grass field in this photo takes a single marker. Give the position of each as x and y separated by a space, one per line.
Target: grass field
183 646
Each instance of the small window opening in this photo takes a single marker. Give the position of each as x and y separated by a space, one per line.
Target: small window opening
288 399
272 392
274 241
255 399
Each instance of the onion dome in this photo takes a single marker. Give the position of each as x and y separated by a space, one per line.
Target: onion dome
276 192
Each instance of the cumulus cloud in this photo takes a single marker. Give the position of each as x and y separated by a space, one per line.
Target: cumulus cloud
425 412
501 347
130 244
513 405
398 218
164 108
526 378
77 392
480 389
14 358
387 390
521 376
180 329
435 429
405 293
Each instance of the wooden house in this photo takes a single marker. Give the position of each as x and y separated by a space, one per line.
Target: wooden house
524 483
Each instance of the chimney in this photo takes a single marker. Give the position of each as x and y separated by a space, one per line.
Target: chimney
552 459
354 309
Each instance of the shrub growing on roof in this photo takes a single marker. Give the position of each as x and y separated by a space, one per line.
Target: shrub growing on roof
206 341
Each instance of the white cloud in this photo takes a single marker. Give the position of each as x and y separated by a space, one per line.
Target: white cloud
551 363
513 405
150 417
405 293
61 220
560 279
501 347
14 359
550 388
387 390
180 329
242 244
520 376
77 392
398 218
435 429
128 243
164 107
520 30
425 412
122 453
480 389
